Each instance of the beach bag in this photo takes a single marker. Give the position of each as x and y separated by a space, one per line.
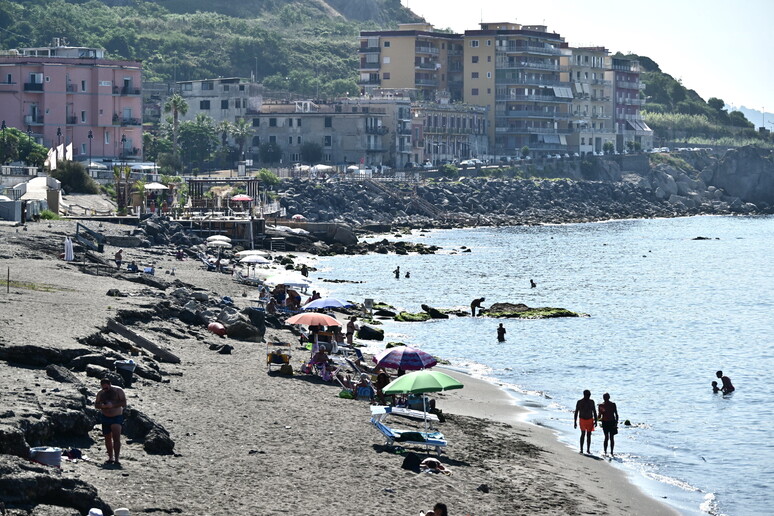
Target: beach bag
286 369
411 462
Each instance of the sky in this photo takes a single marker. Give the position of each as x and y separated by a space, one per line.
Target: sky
716 47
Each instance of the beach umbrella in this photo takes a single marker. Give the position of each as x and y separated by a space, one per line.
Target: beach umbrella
404 357
326 302
420 382
219 243
241 197
313 319
291 280
254 252
298 216
222 238
255 259
353 168
155 186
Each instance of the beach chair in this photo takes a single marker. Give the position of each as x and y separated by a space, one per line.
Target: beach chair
403 412
399 437
277 356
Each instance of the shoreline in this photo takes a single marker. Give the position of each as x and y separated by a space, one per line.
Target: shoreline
242 436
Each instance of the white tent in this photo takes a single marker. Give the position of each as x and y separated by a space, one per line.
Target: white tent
155 186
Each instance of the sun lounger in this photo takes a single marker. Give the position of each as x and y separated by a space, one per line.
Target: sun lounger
402 411
278 356
395 436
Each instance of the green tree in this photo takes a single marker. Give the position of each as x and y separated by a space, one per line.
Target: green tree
241 131
9 146
524 152
177 106
267 177
608 147
270 152
74 178
737 119
199 139
311 152
716 103
224 128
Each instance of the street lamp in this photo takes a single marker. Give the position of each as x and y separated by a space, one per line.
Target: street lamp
58 142
3 126
91 136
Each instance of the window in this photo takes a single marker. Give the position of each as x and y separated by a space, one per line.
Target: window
83 116
272 139
474 91
298 140
290 140
225 87
489 42
295 157
241 87
272 122
474 59
328 121
187 86
488 75
327 141
207 86
107 138
488 59
204 104
474 75
83 148
224 104
238 103
256 122
9 79
290 123
386 60
298 122
489 91
83 85
256 141
386 76
474 43
386 44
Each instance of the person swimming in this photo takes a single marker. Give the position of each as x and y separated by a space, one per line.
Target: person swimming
715 387
728 387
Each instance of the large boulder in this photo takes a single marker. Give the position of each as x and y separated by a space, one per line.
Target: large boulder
434 313
242 330
747 173
24 484
369 333
155 437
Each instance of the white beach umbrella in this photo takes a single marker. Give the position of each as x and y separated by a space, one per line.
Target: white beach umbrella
254 259
155 186
252 252
219 243
222 238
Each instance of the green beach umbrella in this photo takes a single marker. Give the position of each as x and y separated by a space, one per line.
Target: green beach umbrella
422 381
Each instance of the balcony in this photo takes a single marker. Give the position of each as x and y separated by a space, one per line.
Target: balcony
369 82
534 114
33 86
530 98
630 85
128 90
364 65
380 129
531 82
422 49
72 88
630 102
369 50
532 49
33 120
130 121
426 66
374 149
71 120
505 64
426 82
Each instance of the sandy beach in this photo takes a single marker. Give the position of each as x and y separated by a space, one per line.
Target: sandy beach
248 442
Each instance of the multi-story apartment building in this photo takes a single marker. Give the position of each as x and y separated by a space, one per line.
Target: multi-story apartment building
630 127
74 95
414 56
592 105
222 99
365 132
445 132
540 93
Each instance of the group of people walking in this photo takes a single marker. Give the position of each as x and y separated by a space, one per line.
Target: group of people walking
587 415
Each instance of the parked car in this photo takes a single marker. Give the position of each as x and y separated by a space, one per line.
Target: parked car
427 164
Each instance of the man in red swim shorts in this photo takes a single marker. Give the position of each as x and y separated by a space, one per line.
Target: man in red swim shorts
587 410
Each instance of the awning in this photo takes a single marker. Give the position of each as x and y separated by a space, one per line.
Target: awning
586 88
638 125
562 139
562 92
551 138
578 87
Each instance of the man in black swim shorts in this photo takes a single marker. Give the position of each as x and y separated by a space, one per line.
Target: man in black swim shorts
111 401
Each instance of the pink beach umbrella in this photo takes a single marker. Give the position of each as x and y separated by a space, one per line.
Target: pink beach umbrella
241 197
405 357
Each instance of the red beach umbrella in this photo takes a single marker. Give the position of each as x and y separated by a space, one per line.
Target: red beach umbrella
241 197
313 319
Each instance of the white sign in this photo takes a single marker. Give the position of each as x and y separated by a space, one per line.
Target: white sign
105 83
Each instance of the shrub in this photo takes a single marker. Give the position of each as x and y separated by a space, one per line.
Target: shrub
48 215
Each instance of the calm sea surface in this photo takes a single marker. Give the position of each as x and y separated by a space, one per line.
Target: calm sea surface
666 313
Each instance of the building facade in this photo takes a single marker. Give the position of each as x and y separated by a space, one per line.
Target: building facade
222 99
630 127
414 56
592 105
74 95
445 133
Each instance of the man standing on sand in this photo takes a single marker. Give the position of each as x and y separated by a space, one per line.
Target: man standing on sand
587 410
727 385
119 257
111 401
476 304
501 333
609 414
351 329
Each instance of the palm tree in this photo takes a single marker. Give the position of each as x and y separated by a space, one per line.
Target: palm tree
177 105
241 130
225 129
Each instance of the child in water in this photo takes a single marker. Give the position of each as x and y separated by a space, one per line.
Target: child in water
715 387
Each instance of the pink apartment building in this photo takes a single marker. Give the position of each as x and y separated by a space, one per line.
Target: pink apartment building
62 94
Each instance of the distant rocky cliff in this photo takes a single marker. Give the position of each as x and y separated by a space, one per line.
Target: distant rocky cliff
747 173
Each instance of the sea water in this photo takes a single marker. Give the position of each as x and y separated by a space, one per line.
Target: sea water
666 310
